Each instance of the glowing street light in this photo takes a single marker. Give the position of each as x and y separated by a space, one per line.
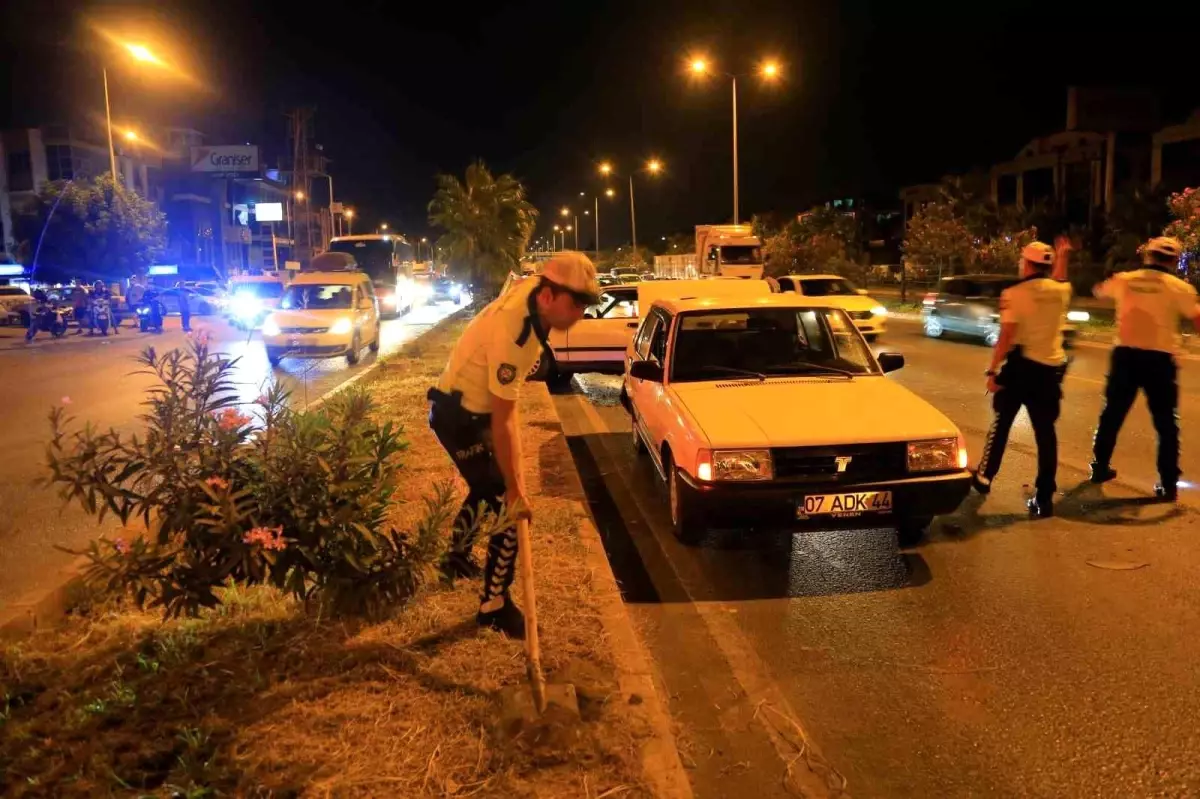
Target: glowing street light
131 135
609 193
142 53
606 169
769 70
139 53
653 166
300 196
565 211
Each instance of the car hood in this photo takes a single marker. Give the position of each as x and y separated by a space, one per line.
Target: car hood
323 317
847 302
810 411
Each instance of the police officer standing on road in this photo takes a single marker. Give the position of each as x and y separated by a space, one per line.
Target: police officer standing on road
1032 314
1150 302
473 414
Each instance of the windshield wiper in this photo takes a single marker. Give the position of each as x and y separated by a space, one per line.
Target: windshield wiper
733 371
810 367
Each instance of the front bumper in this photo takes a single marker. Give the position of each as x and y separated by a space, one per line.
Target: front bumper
875 326
773 504
321 345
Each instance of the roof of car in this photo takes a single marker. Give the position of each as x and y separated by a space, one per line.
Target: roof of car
982 278
255 279
788 300
814 277
347 278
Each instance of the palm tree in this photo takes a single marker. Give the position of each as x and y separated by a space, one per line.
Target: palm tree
488 223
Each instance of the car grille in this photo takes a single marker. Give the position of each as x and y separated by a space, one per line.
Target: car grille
868 462
302 331
860 316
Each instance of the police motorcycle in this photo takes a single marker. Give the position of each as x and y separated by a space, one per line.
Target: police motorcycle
150 312
47 316
102 312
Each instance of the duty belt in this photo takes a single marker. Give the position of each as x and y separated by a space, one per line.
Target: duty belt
452 404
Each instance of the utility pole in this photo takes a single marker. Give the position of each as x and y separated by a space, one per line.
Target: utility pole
301 124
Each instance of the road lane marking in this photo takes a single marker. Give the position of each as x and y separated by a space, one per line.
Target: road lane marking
770 704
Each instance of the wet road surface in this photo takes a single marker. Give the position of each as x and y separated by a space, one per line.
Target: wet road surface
1003 657
96 375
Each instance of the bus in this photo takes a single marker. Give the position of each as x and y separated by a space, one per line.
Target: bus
388 260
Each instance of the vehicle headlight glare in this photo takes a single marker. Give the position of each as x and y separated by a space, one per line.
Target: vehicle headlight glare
246 306
270 327
341 327
742 464
879 310
941 454
1078 316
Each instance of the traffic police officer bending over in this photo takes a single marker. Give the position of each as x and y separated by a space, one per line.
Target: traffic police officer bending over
473 413
1032 314
1150 302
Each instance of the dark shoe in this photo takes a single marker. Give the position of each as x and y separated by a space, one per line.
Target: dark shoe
461 564
1102 473
1169 492
981 484
508 620
1040 507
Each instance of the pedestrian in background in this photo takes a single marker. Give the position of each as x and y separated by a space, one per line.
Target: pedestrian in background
1028 366
185 310
1150 303
80 309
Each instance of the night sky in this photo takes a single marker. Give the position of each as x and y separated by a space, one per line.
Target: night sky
875 95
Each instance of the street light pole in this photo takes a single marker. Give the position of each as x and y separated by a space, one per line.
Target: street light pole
112 154
735 153
576 231
632 215
597 227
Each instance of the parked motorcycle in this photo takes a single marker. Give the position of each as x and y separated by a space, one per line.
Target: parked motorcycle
150 313
48 317
102 315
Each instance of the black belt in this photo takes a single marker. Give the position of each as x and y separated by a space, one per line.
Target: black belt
452 404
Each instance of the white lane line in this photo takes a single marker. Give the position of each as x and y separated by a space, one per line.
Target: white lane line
771 707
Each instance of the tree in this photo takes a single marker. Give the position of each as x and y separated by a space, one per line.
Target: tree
488 223
1185 207
87 230
937 237
824 240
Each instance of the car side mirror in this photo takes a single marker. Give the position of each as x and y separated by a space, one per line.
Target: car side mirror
646 370
890 361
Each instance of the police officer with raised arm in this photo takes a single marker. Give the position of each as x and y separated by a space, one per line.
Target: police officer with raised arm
1028 366
473 413
1150 302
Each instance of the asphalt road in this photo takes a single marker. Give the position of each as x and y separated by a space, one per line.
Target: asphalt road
1003 657
95 376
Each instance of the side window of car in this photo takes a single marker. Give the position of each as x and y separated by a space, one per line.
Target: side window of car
786 284
658 342
641 344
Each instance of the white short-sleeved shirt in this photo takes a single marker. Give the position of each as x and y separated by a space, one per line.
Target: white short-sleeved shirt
1038 307
1149 306
496 350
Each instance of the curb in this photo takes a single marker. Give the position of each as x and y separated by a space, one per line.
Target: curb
635 678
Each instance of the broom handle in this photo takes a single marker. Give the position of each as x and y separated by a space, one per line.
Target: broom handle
536 678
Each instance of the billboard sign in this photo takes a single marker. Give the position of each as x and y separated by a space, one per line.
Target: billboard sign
268 212
226 159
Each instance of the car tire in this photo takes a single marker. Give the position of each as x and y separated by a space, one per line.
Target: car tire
274 355
992 336
355 349
686 522
934 327
911 531
374 345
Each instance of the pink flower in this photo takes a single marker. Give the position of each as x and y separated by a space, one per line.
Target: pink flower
263 399
120 546
266 537
232 419
216 483
200 336
65 400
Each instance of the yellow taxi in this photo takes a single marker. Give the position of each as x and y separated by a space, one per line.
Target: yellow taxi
324 315
765 412
869 315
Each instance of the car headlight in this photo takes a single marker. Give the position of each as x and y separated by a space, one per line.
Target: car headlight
390 300
270 327
939 455
1078 316
341 327
246 306
879 310
143 310
735 465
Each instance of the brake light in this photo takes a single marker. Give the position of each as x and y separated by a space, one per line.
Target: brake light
704 469
930 298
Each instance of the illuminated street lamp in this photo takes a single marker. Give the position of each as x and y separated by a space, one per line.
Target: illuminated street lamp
768 70
567 212
139 53
349 216
300 196
131 135
654 167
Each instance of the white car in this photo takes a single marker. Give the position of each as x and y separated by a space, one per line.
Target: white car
324 315
870 317
767 412
251 298
16 304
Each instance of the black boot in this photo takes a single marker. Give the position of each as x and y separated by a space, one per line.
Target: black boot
1041 506
981 484
1102 473
1167 491
507 618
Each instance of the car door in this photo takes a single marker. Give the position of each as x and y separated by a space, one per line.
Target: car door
601 340
951 304
657 417
639 391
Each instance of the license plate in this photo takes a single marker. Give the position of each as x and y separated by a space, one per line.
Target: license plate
846 505
299 341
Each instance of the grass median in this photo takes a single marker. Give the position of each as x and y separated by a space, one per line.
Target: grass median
260 697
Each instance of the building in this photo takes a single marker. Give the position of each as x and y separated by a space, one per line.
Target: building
1175 155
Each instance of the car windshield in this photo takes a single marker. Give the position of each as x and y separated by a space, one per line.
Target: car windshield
267 290
312 297
740 254
826 287
713 345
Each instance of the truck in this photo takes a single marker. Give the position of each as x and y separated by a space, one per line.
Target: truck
675 267
729 251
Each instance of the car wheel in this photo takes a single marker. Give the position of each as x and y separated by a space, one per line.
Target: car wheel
355 349
274 355
911 531
685 521
933 327
992 337
374 345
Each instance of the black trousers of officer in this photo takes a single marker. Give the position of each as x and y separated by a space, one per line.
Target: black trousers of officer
1037 388
1155 373
467 438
